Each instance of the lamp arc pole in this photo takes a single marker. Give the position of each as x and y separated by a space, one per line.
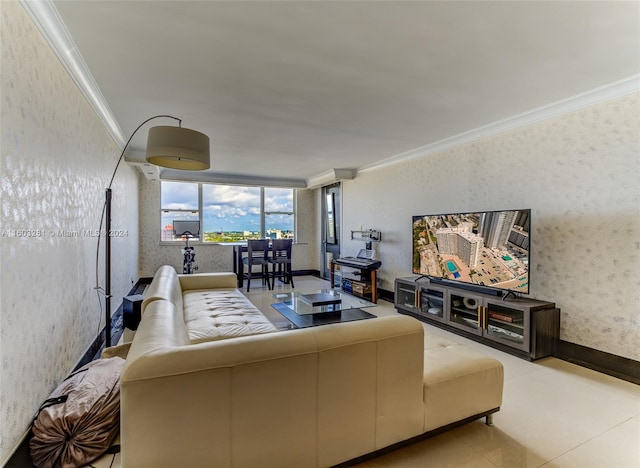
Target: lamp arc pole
106 217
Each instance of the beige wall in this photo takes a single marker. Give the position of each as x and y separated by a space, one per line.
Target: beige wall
215 257
57 159
579 174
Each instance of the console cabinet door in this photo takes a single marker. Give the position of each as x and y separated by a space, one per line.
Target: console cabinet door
433 303
507 324
406 297
465 311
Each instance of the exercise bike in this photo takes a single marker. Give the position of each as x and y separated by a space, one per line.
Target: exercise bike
189 254
188 230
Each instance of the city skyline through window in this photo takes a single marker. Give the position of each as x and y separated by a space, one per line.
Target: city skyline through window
228 213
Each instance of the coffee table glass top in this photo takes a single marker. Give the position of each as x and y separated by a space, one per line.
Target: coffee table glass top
303 303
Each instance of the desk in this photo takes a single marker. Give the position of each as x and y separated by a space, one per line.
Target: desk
238 266
368 274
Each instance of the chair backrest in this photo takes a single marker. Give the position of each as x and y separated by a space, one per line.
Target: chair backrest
281 249
258 248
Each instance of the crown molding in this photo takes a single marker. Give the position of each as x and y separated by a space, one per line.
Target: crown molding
230 179
48 20
595 96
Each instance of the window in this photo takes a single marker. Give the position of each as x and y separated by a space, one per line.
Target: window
178 201
231 213
228 213
278 213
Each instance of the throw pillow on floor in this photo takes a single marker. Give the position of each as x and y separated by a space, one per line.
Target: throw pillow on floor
81 418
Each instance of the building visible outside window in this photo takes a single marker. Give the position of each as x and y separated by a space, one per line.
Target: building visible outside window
278 213
178 201
229 213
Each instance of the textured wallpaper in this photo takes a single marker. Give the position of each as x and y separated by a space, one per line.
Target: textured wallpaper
578 173
214 257
57 159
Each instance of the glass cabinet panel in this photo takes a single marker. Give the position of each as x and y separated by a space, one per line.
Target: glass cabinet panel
432 303
506 324
465 312
406 296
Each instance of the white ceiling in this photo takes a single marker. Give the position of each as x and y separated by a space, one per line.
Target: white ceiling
293 89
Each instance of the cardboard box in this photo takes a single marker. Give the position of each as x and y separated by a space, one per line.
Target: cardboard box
361 288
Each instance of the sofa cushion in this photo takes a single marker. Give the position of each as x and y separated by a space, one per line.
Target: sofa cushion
223 313
459 382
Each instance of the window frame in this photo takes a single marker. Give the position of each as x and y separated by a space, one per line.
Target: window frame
200 212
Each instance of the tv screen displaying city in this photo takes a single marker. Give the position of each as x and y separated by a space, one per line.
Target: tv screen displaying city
488 249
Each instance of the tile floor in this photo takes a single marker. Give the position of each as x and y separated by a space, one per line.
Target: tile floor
554 414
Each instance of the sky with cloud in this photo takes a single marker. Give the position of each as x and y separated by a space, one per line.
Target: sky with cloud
227 207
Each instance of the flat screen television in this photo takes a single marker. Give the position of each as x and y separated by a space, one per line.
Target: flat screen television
487 251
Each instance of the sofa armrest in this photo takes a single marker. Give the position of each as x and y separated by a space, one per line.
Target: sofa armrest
208 281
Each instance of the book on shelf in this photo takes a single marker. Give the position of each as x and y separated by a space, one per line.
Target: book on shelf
504 318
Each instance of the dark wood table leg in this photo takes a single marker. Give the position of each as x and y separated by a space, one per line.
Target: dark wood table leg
374 286
332 273
238 267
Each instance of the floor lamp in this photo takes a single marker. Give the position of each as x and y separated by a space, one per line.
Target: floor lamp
167 146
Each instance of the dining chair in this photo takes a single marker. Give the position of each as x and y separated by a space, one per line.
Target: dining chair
257 255
280 260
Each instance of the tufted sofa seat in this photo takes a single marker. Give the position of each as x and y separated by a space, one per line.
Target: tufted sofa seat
211 305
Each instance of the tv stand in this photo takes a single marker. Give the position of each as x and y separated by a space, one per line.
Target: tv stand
526 328
475 288
366 283
509 293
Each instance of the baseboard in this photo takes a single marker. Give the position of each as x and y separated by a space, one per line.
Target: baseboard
306 273
607 363
385 295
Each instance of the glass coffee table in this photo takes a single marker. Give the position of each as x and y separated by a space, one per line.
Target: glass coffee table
321 307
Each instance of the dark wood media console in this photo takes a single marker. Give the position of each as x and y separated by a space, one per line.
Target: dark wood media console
526 328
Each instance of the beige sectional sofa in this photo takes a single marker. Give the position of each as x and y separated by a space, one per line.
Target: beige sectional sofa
231 390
